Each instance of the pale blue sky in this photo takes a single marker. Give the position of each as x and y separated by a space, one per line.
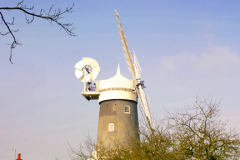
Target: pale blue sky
185 49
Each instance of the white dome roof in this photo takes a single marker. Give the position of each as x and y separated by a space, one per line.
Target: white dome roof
118 82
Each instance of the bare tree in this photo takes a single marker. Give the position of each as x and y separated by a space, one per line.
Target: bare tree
52 16
199 134
84 151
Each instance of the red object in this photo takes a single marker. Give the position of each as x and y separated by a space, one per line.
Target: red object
19 156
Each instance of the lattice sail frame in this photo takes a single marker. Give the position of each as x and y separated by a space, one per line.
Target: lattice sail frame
135 69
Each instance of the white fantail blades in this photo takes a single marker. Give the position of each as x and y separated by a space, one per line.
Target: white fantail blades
95 67
79 65
86 78
87 69
78 73
87 60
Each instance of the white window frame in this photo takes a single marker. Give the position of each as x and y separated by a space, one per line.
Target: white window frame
125 107
111 127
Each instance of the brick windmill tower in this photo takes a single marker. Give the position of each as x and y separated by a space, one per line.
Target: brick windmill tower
117 97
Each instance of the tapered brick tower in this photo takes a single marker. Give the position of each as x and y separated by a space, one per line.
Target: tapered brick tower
118 117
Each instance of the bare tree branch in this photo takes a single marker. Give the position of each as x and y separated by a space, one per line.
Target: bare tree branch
51 16
199 133
15 42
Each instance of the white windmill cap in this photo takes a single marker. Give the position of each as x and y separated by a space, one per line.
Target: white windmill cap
117 82
117 87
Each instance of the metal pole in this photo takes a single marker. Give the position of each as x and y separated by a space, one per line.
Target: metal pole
15 152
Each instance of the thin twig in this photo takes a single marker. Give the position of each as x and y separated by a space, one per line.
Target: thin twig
43 15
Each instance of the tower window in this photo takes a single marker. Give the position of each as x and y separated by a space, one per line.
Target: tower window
111 127
127 109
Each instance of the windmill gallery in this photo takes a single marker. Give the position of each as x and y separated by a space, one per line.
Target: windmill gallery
117 96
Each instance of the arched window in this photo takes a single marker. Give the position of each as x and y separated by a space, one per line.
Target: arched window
111 127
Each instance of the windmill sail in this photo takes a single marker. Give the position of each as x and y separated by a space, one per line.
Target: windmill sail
135 69
136 66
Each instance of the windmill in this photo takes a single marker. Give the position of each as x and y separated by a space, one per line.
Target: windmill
117 97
